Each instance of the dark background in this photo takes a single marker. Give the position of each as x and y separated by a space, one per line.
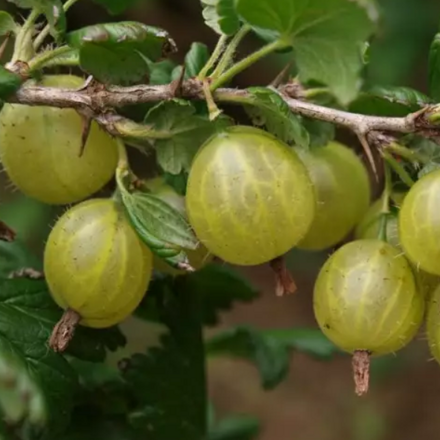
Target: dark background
316 401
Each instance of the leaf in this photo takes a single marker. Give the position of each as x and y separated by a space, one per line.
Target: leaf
270 110
56 17
326 36
70 58
9 83
320 132
7 23
389 101
218 287
115 53
269 350
221 16
161 72
239 427
117 7
150 215
182 133
434 69
195 60
169 381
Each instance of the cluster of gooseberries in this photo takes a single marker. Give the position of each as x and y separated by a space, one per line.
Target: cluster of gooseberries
249 199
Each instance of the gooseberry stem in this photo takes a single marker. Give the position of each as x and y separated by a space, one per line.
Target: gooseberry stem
24 38
213 110
64 330
398 169
228 55
43 58
312 93
408 153
361 371
385 203
247 62
45 32
218 50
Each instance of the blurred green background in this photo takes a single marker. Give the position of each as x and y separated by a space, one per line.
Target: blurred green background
316 402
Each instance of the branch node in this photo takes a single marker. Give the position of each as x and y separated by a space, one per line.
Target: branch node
64 331
285 283
177 85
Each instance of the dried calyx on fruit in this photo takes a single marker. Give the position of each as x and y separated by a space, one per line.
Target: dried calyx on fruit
40 149
249 197
367 303
96 267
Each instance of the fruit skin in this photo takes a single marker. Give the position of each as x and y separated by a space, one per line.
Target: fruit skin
198 257
40 146
249 197
95 263
342 190
433 324
365 298
419 223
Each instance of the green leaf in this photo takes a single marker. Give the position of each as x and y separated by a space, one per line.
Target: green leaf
161 72
9 83
117 7
169 381
239 427
218 287
116 53
434 69
269 350
268 109
56 17
326 36
152 216
389 101
195 60
70 58
182 133
7 24
221 16
320 133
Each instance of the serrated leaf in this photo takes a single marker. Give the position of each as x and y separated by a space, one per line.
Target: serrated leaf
326 36
270 110
239 427
389 101
149 214
7 23
169 381
434 69
218 288
9 83
221 16
269 350
182 133
115 53
195 60
116 7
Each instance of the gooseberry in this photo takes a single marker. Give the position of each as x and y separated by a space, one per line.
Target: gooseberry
419 223
366 301
95 264
197 258
433 324
40 150
342 191
249 197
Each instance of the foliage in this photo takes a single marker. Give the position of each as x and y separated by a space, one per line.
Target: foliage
94 386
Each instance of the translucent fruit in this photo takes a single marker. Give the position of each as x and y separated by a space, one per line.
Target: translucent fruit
433 324
40 150
342 190
419 223
365 298
198 257
249 197
95 264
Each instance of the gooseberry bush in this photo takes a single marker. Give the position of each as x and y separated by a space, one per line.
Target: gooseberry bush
241 177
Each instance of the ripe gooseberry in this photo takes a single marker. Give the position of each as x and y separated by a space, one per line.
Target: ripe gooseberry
433 324
342 192
198 257
95 264
40 150
366 302
419 223
369 228
249 197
